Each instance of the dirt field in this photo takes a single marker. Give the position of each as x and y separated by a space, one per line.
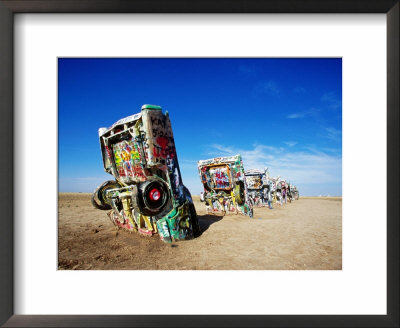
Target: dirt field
303 235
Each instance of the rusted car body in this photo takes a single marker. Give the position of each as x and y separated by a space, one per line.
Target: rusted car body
258 186
147 194
224 184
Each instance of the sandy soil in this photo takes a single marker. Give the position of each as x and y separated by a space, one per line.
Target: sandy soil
303 235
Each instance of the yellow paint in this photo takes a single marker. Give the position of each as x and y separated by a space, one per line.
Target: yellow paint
117 158
183 211
125 155
135 155
126 203
148 223
233 199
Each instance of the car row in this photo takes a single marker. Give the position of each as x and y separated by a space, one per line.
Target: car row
147 194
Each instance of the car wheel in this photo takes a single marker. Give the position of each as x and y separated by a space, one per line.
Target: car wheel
99 199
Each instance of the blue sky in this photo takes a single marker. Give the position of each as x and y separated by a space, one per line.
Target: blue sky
285 114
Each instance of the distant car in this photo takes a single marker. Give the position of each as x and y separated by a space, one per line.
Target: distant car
147 194
294 192
224 185
258 186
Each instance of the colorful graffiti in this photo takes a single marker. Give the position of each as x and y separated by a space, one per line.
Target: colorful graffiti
254 181
128 160
148 195
224 185
267 191
219 177
158 137
258 186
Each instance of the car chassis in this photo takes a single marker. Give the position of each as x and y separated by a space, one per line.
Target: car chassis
224 185
258 186
147 194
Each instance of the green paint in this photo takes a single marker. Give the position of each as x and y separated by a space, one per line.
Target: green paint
151 107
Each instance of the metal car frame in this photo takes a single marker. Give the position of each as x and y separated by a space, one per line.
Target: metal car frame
258 186
224 184
147 194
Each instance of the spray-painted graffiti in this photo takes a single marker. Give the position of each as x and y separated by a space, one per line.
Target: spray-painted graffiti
283 191
147 195
258 186
267 191
219 177
158 137
127 160
224 185
254 181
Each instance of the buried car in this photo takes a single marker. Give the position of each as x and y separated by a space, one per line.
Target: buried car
294 193
258 186
224 185
147 194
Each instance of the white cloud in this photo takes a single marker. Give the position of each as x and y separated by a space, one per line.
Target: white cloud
333 134
314 112
314 171
290 143
268 87
296 115
332 100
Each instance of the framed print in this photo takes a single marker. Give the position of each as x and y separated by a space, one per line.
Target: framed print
48 44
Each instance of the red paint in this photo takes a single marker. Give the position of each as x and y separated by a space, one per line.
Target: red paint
162 150
163 142
121 171
108 152
138 172
155 194
126 225
145 232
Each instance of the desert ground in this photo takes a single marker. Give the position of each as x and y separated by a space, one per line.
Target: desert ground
303 235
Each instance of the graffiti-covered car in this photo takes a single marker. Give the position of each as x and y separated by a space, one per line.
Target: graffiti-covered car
294 192
279 191
258 186
147 194
224 185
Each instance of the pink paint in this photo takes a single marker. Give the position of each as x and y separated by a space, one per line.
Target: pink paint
145 232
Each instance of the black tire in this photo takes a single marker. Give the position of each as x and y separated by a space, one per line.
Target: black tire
99 194
145 205
97 205
195 221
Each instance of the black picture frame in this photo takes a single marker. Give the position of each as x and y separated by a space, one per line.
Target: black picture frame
10 7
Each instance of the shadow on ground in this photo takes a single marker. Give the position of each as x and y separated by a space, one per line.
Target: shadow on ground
206 220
